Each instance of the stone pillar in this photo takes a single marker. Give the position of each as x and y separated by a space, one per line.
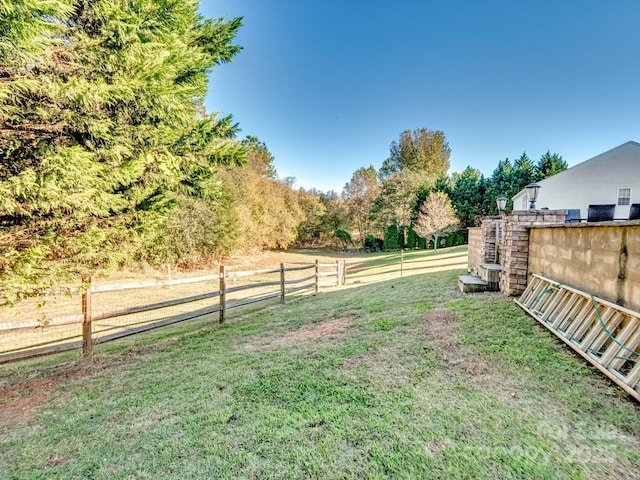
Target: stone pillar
491 229
515 245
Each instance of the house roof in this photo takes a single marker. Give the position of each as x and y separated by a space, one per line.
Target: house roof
629 151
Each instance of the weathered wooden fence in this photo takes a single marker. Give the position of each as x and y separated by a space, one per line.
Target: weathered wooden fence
113 311
404 262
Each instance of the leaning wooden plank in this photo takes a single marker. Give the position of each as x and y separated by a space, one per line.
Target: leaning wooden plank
633 378
569 305
161 323
616 347
632 352
154 306
598 336
530 292
555 302
543 290
593 324
631 391
37 352
586 314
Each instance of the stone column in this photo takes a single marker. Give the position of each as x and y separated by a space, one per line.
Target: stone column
515 246
490 241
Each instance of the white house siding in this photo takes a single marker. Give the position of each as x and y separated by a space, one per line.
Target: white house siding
595 181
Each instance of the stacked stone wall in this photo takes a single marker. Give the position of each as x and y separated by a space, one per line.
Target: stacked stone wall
515 245
602 259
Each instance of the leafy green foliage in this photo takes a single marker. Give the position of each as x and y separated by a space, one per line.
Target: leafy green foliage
373 244
343 237
422 150
359 195
548 165
467 196
393 239
104 147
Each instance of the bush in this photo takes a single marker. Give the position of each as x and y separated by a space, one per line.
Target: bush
373 244
412 238
343 236
391 238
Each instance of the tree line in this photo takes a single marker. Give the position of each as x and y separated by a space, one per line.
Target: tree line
411 199
109 159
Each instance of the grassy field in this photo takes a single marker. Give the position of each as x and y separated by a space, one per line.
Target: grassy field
403 378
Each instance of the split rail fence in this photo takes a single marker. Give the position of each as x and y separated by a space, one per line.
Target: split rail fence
109 312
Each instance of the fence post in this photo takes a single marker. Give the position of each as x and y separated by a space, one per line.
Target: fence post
401 260
317 277
223 292
87 340
282 289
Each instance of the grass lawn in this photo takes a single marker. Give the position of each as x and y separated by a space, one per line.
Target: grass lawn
405 378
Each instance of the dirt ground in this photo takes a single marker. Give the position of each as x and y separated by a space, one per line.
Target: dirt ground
459 360
24 400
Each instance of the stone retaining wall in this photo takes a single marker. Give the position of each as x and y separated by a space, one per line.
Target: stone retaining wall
603 258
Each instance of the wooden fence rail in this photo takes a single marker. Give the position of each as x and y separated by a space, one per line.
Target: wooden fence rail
91 298
153 305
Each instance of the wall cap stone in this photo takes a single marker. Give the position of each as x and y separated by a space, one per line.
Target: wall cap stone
626 223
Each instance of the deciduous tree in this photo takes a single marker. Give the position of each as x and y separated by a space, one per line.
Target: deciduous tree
359 196
423 151
436 217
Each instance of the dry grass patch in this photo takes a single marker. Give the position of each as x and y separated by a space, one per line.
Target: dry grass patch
458 361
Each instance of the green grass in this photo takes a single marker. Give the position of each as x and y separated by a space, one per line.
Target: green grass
423 382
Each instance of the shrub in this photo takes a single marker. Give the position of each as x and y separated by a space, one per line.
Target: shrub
373 244
390 241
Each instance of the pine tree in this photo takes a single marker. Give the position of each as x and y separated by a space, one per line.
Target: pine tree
102 136
548 165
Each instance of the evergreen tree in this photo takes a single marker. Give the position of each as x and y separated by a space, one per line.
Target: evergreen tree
103 140
499 185
548 165
523 174
467 196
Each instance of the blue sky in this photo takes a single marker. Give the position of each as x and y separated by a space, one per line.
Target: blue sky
329 84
